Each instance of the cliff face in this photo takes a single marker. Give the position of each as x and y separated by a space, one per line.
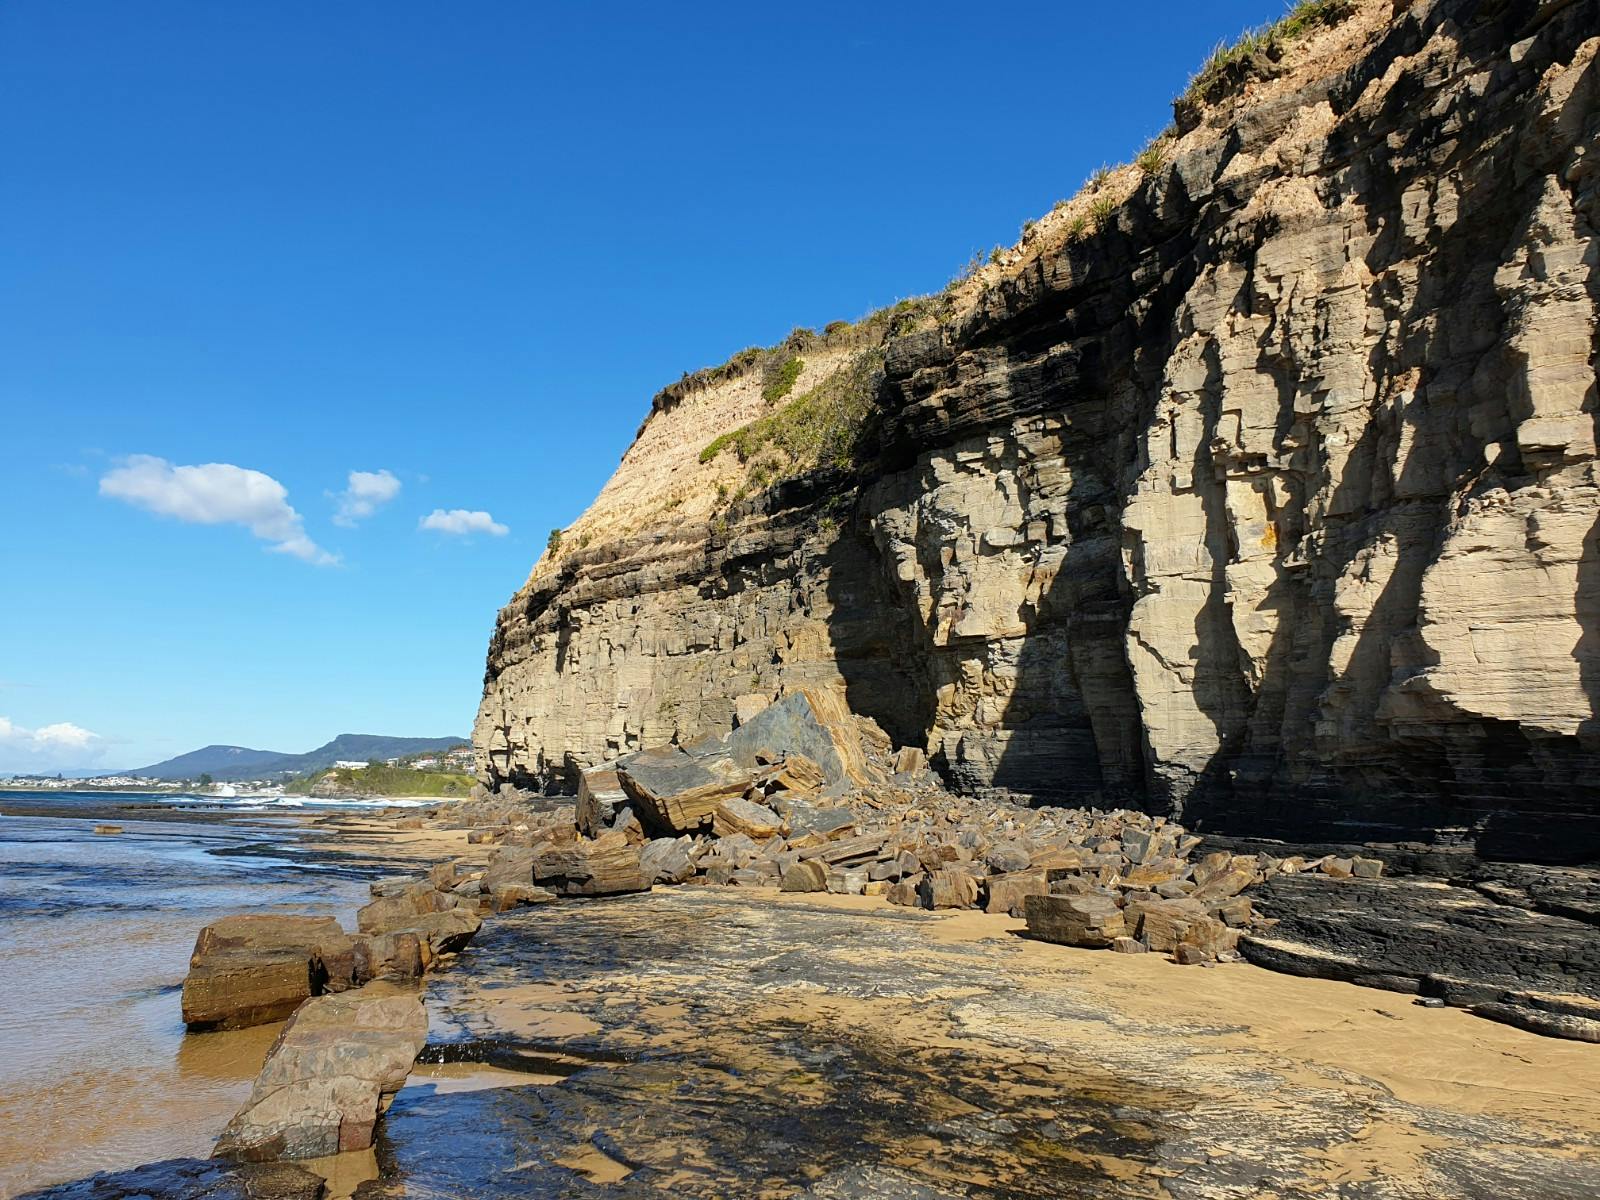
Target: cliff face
1257 483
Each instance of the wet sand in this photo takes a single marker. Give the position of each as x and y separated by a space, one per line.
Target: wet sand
702 1042
96 1070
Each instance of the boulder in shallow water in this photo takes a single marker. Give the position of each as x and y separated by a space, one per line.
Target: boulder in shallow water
327 1076
248 970
388 913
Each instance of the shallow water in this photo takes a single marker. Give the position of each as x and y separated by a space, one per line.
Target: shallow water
96 1071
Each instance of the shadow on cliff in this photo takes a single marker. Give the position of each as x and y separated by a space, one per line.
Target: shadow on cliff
1586 604
873 636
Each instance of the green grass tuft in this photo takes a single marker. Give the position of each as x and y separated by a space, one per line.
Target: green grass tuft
1101 209
1229 68
1153 157
780 382
820 427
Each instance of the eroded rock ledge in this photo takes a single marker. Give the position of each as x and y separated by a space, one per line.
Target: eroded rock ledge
1266 499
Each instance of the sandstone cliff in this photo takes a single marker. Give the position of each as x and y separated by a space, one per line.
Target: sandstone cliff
1257 482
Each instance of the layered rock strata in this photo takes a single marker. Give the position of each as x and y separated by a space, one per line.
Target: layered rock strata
1256 485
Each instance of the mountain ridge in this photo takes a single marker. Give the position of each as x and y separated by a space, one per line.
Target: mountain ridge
225 762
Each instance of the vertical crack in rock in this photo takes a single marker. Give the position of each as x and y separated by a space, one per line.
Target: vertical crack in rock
1266 497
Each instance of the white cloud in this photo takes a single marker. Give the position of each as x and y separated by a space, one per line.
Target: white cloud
366 492
48 748
461 523
215 494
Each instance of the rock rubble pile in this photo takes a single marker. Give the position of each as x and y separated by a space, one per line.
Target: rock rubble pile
806 797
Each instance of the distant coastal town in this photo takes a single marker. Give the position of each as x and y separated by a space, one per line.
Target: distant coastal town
431 773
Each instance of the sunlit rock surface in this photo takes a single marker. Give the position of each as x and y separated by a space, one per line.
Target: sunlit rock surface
1267 497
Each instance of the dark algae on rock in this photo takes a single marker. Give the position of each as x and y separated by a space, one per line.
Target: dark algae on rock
807 1049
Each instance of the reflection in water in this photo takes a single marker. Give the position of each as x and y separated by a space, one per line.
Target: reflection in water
96 1072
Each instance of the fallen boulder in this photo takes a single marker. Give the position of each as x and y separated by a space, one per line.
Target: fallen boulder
249 970
327 1077
1091 920
807 876
666 860
813 722
607 866
676 792
737 815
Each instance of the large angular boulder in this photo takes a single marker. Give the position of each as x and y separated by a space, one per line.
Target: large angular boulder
601 799
813 722
948 889
1163 924
755 821
675 792
1007 893
508 865
249 970
666 860
327 1077
1091 920
391 912
607 866
809 876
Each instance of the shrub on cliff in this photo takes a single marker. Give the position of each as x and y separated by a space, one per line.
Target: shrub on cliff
822 426
1229 68
780 378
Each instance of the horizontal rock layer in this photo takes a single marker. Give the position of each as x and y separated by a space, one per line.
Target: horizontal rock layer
1268 500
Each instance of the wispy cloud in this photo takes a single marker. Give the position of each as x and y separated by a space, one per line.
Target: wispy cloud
365 494
460 523
48 748
215 494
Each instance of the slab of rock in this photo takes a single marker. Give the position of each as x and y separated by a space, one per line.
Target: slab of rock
948 889
797 774
666 860
738 815
601 798
1091 920
193 1179
906 892
387 956
607 866
389 913
1008 892
807 876
813 722
327 1076
504 897
445 932
674 792
249 970
508 865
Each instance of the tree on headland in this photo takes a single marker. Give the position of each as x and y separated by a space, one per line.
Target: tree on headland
205 780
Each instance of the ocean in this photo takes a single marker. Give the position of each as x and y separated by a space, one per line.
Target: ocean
96 1070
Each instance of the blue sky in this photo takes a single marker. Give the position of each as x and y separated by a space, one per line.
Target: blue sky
247 249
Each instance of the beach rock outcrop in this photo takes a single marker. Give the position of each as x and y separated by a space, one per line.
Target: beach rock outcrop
193 1179
328 1076
249 970
253 969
